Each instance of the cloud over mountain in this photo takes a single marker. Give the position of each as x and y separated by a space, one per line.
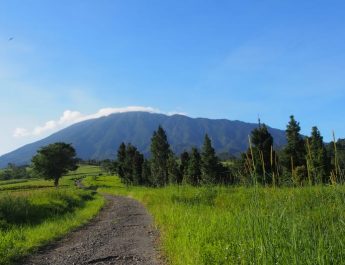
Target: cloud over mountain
70 117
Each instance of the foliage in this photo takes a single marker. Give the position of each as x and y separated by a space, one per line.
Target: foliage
209 163
294 151
184 161
121 157
193 176
130 165
174 174
160 151
336 154
317 161
54 160
300 175
109 166
146 172
261 158
237 225
14 172
303 160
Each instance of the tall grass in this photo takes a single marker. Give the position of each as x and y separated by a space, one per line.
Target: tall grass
31 219
236 225
33 213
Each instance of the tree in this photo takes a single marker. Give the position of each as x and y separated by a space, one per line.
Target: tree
160 151
138 160
209 162
54 160
121 156
130 164
294 152
193 176
14 172
174 174
263 154
109 166
336 154
146 172
184 160
318 162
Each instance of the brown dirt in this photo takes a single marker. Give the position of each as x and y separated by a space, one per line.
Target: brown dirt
122 234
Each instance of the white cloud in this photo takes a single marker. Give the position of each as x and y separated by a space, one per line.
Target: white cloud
70 117
108 111
176 113
20 132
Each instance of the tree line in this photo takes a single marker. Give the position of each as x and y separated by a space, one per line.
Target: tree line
163 168
304 160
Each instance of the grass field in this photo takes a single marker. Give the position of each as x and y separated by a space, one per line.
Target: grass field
33 212
204 225
234 225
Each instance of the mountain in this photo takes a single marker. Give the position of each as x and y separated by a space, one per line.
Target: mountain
100 138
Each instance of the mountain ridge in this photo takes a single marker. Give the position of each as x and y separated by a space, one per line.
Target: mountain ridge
99 138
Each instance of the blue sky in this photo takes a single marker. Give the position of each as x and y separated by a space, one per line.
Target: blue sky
215 59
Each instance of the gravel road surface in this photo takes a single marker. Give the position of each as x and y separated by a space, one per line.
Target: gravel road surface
121 234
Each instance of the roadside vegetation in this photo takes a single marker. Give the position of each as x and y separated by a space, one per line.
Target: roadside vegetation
33 212
268 206
239 225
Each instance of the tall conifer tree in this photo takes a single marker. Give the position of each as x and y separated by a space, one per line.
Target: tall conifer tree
295 151
121 156
184 158
263 153
193 176
160 150
317 157
209 162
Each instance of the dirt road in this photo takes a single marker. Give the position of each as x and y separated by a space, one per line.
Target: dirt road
122 234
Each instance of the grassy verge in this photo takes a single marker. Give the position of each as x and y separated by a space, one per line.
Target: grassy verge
33 219
219 225
33 213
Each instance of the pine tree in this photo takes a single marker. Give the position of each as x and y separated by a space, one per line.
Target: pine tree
209 162
193 176
160 150
129 164
137 164
336 155
121 156
294 152
318 161
173 170
262 150
146 173
184 158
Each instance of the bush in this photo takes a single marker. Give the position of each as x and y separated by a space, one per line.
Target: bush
300 175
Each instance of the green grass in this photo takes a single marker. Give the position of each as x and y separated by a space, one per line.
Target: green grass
25 184
33 212
12 181
59 213
234 225
86 170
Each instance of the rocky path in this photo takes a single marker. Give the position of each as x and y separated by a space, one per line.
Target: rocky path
122 234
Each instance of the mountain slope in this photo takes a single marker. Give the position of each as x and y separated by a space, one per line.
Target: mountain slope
100 138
